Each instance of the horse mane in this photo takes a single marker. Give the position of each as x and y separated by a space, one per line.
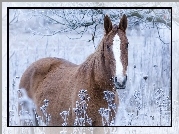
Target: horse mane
95 65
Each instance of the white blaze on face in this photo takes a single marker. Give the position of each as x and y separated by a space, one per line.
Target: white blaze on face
117 54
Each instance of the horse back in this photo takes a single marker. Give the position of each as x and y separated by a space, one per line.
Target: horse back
37 72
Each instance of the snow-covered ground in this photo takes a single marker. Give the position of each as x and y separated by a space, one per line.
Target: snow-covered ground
146 101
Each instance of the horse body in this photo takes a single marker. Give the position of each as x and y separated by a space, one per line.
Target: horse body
60 81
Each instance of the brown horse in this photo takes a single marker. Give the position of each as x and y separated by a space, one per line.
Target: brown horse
60 81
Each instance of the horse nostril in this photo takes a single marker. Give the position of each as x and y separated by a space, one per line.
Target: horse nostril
127 45
124 81
115 79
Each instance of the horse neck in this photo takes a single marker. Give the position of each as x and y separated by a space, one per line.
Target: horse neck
95 69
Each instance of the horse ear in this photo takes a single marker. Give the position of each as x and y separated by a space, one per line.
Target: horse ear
123 23
107 24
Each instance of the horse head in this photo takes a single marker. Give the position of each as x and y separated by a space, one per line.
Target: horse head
115 46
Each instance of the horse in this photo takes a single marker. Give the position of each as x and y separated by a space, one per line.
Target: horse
59 81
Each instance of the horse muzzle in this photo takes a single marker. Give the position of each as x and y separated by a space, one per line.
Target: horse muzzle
119 85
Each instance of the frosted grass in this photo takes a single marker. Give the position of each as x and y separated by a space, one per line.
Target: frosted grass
146 100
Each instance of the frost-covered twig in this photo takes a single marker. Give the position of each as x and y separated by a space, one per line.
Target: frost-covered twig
80 110
65 115
43 108
106 113
26 108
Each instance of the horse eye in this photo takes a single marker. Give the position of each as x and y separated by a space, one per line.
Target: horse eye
108 47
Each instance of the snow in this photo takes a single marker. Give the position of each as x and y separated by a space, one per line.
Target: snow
146 100
23 60
125 130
